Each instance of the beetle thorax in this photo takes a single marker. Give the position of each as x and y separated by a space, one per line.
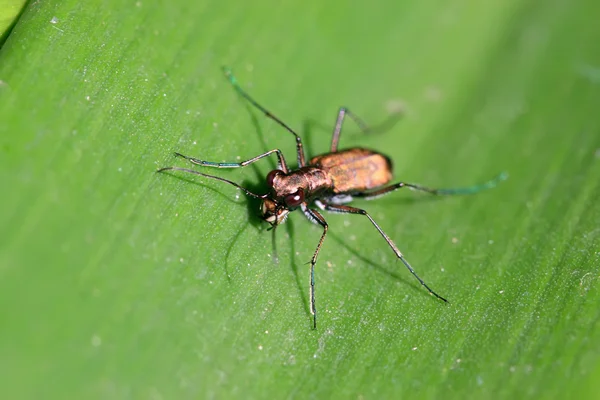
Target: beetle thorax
311 181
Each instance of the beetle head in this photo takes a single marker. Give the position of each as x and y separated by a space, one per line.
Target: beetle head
283 198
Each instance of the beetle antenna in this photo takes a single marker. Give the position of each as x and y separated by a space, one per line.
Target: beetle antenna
218 178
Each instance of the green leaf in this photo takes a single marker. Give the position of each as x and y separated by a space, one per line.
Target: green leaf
117 282
9 11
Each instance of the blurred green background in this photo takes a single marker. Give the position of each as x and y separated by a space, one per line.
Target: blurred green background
116 282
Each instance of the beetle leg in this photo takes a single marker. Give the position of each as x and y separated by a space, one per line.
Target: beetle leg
203 163
338 126
337 130
464 190
315 217
353 210
242 92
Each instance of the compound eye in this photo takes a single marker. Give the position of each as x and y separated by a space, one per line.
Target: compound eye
272 176
294 199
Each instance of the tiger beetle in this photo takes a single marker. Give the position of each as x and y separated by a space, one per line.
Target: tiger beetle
328 181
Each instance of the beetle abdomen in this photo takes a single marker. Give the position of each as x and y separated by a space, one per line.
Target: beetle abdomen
354 170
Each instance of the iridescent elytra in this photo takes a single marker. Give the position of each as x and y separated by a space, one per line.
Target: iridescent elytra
327 181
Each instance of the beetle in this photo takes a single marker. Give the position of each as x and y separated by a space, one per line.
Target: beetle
328 181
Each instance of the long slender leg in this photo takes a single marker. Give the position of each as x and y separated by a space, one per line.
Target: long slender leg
315 217
361 124
242 92
353 210
338 126
218 178
465 190
203 163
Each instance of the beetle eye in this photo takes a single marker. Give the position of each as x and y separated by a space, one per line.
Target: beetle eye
272 176
294 199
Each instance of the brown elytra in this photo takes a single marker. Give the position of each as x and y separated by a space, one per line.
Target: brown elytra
355 170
